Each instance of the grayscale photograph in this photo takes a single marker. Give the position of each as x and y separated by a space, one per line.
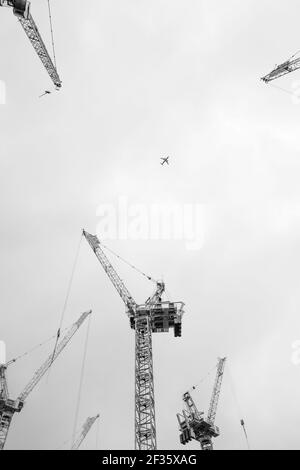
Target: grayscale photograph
150 228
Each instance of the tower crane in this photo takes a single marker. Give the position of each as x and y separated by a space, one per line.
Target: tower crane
85 430
289 66
154 316
21 9
192 424
9 407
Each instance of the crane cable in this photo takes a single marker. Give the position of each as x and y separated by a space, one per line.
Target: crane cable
129 264
238 408
245 432
294 55
63 444
81 381
52 35
282 89
68 440
196 386
12 361
170 297
66 300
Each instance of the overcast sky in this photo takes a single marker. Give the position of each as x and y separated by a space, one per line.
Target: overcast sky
142 80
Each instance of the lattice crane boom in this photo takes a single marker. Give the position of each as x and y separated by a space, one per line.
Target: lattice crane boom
21 9
111 272
85 430
216 391
283 69
9 407
47 364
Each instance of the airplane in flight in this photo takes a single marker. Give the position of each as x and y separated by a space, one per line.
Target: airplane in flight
165 160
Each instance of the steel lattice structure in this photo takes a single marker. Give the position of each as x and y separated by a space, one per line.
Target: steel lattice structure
21 9
192 424
283 69
155 316
85 430
9 407
145 426
211 415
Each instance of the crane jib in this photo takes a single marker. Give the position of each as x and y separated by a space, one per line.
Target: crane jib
21 9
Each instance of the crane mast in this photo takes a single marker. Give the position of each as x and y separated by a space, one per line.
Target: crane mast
283 69
85 430
9 407
21 9
155 316
191 423
145 425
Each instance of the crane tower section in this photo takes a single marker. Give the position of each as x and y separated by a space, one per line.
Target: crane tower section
145 425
